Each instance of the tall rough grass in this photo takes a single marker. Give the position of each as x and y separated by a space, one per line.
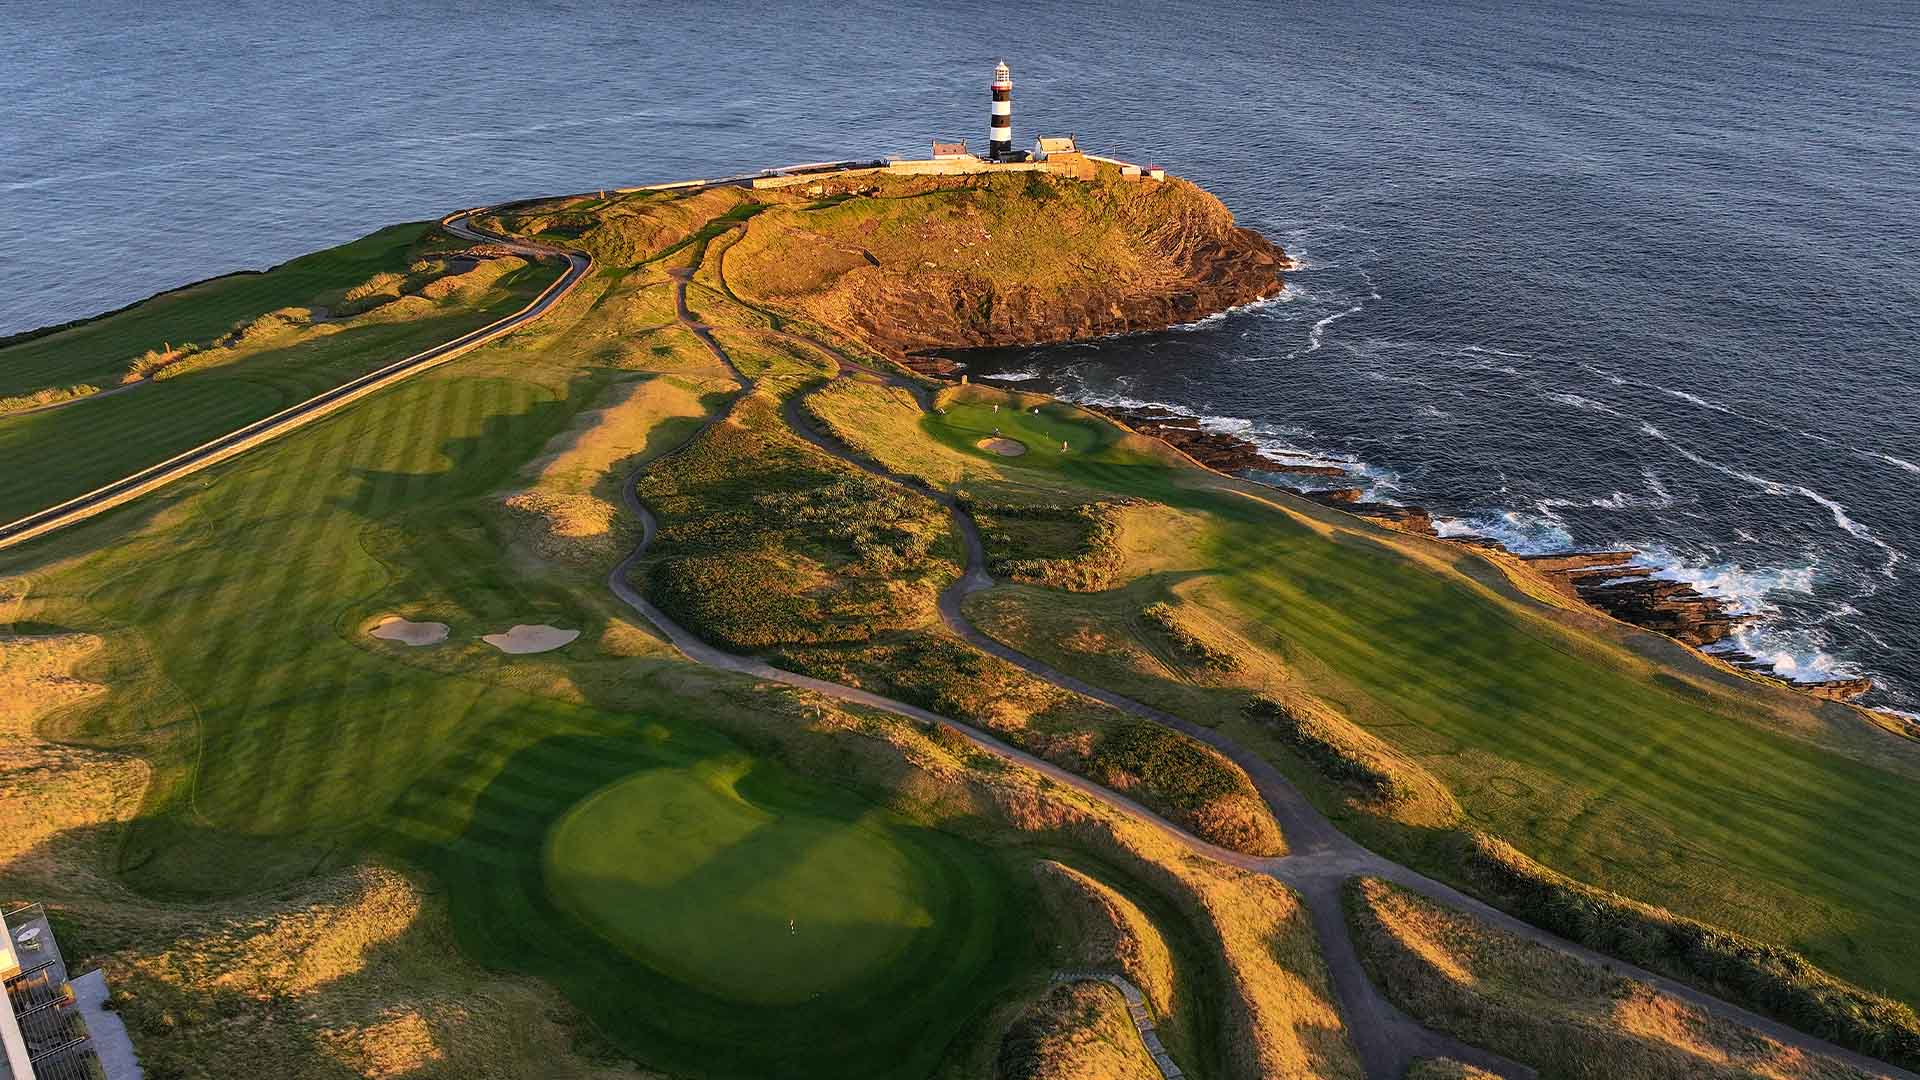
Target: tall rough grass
1766 978
51 395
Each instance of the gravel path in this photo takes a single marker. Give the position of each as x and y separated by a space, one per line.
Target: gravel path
1321 858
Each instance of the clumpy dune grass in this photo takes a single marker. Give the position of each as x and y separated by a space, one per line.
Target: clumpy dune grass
764 541
1105 931
1071 546
1534 1004
767 545
634 228
1380 778
40 399
352 975
570 511
1171 773
1078 1031
1578 740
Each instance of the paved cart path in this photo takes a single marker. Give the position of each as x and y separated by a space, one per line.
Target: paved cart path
1321 858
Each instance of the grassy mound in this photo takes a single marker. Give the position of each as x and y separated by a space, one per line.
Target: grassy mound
1194 644
1537 1005
570 512
1380 777
628 230
1071 547
1170 773
1105 931
1078 1031
764 541
51 395
1766 978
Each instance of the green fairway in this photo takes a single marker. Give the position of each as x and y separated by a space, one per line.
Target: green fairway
55 455
286 742
1577 750
900 935
99 350
714 889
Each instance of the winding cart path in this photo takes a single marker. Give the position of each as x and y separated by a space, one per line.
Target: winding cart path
1321 858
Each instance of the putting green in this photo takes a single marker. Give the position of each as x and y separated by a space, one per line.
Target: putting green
739 899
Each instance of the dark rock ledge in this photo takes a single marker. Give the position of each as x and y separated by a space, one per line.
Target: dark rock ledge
1606 580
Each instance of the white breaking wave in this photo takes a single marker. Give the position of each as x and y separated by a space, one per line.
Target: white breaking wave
1022 375
1695 399
1277 443
1657 498
1516 530
1898 463
1319 329
1286 295
1588 404
1746 592
1776 487
1796 652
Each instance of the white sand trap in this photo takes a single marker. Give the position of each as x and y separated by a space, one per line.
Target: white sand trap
395 628
1003 447
530 639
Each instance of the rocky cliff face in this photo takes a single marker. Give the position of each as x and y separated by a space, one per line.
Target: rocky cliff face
1020 259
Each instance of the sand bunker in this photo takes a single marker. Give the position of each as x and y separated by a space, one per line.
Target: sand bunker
530 639
395 628
1003 447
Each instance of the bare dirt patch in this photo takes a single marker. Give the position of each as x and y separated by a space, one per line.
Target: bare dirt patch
1003 446
530 638
395 628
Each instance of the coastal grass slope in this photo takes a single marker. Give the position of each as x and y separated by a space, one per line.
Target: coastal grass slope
279 753
1564 1016
1559 733
99 350
193 389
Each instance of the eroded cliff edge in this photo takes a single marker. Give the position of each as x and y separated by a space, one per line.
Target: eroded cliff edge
906 265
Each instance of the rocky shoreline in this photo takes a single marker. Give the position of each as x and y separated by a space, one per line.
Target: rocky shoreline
1608 581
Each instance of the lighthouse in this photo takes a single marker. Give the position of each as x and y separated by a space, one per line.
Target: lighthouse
1000 133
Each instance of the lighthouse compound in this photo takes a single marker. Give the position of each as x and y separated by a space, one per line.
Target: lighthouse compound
1060 156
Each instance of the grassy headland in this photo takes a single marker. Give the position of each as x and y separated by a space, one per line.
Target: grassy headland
588 816
384 856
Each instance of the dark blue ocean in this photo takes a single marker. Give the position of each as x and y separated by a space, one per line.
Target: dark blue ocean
1575 274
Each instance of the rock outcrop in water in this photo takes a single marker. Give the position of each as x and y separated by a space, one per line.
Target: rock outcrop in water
1612 582
1609 581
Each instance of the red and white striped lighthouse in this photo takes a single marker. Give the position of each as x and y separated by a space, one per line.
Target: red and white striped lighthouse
1000 133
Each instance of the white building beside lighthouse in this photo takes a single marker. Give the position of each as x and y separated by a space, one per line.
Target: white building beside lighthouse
1000 130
